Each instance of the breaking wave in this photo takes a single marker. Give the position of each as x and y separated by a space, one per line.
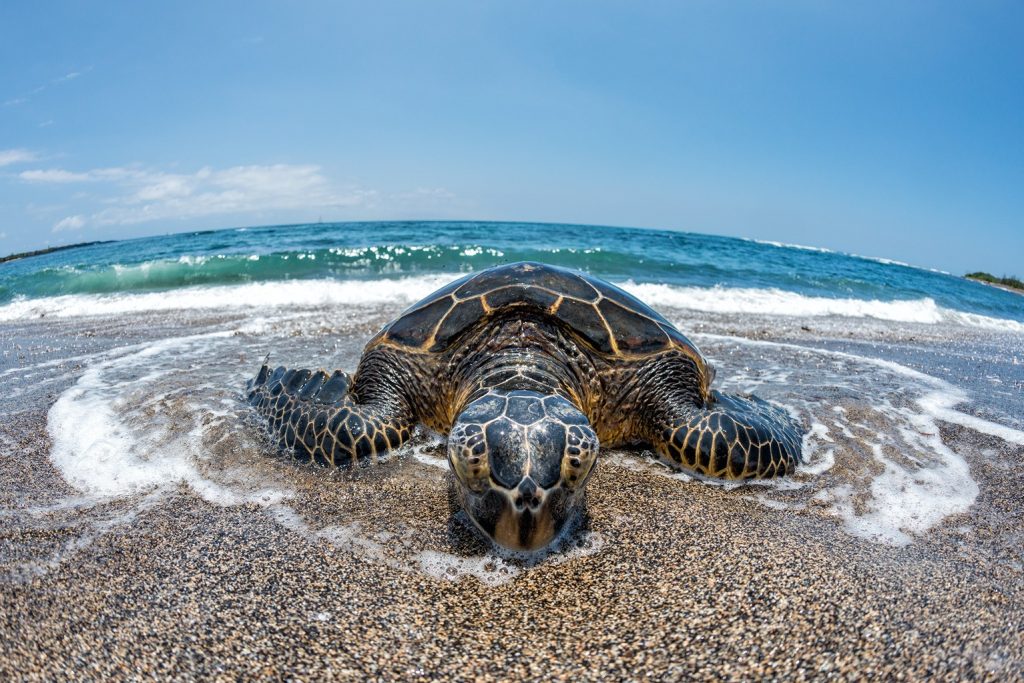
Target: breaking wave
405 290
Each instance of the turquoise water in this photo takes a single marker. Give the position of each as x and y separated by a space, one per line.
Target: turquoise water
770 277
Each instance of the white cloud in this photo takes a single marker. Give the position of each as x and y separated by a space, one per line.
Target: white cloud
69 223
3 235
59 175
16 156
139 194
53 175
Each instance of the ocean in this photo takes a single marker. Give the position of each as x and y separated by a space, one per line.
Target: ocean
350 263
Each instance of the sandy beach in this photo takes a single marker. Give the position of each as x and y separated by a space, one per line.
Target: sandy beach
265 568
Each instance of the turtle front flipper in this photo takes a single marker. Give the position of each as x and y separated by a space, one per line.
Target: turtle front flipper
316 416
731 437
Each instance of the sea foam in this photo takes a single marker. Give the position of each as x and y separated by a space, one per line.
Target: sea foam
291 293
920 480
102 454
773 301
406 290
129 425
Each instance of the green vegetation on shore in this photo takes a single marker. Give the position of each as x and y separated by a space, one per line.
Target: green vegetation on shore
1011 282
40 252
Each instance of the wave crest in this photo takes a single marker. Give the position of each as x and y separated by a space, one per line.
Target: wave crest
406 290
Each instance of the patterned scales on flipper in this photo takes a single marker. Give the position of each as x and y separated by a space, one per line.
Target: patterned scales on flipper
609 320
733 437
316 418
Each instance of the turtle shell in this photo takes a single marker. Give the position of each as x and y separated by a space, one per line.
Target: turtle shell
606 318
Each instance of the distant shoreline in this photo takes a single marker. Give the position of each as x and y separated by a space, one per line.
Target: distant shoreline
1009 284
48 250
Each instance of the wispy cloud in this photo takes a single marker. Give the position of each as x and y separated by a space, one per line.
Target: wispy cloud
55 175
69 223
137 195
16 156
59 175
59 80
70 76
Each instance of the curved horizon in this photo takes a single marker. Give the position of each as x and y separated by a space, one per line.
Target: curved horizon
469 221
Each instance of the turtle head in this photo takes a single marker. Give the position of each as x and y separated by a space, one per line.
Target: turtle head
521 460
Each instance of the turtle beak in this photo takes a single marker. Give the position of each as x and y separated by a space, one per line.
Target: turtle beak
526 518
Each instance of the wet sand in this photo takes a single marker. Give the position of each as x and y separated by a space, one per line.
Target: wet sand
683 581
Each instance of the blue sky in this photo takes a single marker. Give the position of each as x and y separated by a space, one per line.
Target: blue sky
888 129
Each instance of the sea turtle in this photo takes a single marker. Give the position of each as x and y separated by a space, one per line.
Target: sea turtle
527 367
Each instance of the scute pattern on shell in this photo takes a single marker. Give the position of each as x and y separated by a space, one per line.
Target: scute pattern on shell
607 319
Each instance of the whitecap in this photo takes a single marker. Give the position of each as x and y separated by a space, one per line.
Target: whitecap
742 300
406 290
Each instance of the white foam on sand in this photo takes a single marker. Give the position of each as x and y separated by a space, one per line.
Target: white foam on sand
428 447
920 481
818 449
491 570
101 453
91 530
348 537
403 291
497 566
941 406
405 551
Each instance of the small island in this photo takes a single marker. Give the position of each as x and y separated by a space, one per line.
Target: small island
1003 282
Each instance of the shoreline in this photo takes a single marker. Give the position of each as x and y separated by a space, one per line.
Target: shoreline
997 285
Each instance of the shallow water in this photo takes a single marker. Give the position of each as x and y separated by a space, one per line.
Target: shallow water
141 388
133 420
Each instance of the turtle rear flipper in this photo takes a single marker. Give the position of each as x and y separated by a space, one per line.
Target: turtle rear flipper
316 417
731 437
